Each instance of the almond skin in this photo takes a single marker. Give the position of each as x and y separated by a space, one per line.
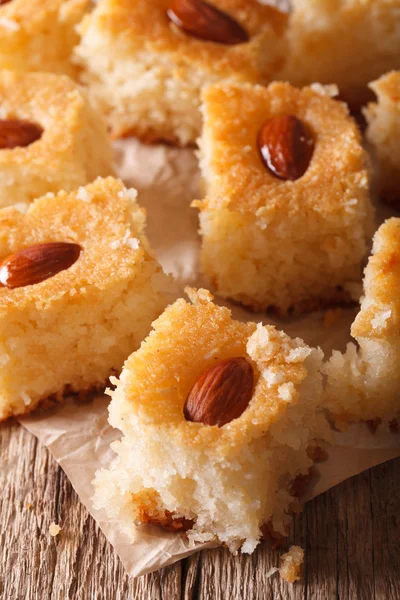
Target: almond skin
286 147
36 263
204 21
222 393
14 133
4 2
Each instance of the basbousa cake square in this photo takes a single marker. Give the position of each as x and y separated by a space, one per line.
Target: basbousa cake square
51 139
79 290
219 420
346 42
287 215
160 53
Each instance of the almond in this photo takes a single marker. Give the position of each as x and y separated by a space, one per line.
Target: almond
202 20
14 133
36 263
286 147
222 393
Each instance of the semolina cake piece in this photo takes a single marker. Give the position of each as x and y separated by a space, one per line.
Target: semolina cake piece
286 214
383 133
162 52
347 42
218 418
364 383
39 35
78 292
51 139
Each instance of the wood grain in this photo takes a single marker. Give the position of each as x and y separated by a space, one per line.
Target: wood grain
350 535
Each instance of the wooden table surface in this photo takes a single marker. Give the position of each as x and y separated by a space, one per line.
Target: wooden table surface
350 534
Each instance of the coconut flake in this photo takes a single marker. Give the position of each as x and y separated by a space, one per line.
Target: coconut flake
84 195
128 193
133 243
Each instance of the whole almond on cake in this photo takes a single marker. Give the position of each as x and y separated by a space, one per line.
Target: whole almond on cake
36 263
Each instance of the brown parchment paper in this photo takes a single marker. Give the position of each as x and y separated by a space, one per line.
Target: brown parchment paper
78 436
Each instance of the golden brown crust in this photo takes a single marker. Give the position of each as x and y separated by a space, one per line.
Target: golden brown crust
208 333
133 26
337 171
337 298
65 217
52 101
74 148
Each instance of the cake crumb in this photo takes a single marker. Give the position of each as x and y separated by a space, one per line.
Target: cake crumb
84 195
331 90
379 321
28 505
129 193
54 529
198 296
291 564
286 391
133 243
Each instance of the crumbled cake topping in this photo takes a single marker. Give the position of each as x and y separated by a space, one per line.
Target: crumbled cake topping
272 377
298 354
127 240
286 391
331 90
379 321
128 193
200 296
84 195
264 344
133 243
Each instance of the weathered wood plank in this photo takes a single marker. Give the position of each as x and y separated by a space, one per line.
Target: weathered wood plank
350 534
